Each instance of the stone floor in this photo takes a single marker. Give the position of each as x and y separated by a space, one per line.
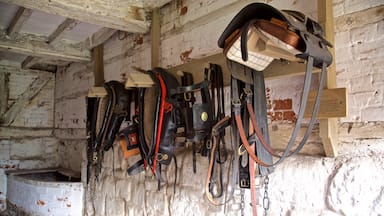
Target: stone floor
13 210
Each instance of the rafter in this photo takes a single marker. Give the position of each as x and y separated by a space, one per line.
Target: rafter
99 37
21 16
36 46
64 27
29 62
119 14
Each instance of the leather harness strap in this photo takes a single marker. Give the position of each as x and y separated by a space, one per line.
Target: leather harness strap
216 130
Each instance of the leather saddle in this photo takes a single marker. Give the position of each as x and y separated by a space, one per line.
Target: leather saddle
291 28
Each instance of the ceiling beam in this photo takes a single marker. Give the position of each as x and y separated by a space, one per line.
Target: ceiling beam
124 15
29 62
66 26
32 45
21 16
99 37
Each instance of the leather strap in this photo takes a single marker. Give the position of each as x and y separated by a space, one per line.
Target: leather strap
216 130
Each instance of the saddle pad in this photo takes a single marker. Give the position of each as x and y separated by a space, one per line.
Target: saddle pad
267 40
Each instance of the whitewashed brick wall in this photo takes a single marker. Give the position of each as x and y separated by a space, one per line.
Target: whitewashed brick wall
349 184
28 142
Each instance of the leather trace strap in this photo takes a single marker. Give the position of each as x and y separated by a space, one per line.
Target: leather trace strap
287 152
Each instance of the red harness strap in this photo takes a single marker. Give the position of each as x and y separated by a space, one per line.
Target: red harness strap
164 107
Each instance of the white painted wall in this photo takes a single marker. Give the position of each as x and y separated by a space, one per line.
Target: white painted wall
28 142
308 184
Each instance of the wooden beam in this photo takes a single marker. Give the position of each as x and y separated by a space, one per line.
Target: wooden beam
119 14
155 36
4 92
18 70
98 69
152 4
33 89
22 132
29 62
36 46
99 37
66 26
328 127
21 16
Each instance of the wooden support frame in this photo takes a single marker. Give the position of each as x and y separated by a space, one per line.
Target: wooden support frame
328 127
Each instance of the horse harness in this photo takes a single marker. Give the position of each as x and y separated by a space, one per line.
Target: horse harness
178 120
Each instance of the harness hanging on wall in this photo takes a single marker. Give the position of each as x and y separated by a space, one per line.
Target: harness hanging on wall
256 36
104 118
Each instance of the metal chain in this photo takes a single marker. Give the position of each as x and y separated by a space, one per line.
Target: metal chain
266 200
242 204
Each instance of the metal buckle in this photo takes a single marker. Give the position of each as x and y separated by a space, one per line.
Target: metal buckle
241 150
244 183
162 157
248 94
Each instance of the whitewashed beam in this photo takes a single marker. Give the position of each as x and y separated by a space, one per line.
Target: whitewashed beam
127 15
9 116
99 37
29 62
21 16
66 26
36 46
151 4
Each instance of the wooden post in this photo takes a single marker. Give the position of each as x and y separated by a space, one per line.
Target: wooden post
328 127
155 36
4 92
98 68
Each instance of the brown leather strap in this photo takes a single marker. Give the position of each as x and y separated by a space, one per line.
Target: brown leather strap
245 142
210 167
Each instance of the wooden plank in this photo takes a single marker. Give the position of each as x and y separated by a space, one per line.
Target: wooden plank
97 92
66 26
20 71
328 127
98 69
36 46
333 103
4 92
151 4
33 89
99 37
155 36
21 16
23 132
277 69
137 79
118 14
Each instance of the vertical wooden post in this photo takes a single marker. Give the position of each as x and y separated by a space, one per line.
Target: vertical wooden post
155 38
4 92
98 69
328 127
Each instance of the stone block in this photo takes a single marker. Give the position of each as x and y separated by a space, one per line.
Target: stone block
356 187
115 206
